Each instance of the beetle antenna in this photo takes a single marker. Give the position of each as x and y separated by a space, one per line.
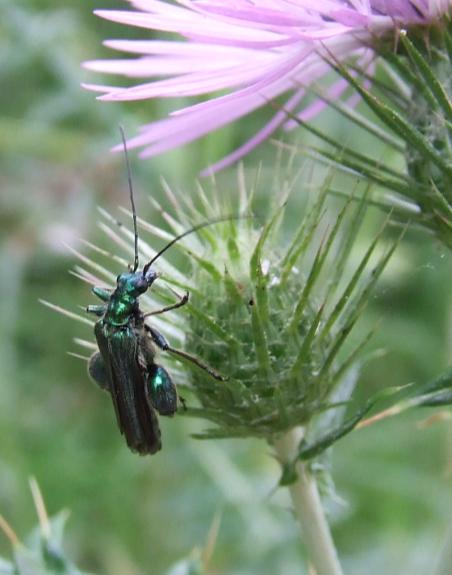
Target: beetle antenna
190 231
134 212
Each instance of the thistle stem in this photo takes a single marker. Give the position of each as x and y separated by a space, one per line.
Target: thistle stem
309 510
445 559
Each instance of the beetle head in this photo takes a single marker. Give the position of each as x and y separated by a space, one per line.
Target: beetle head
135 284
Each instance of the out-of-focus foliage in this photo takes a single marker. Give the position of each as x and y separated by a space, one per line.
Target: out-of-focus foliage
133 515
42 553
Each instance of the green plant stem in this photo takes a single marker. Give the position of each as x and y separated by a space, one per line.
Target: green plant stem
309 510
445 559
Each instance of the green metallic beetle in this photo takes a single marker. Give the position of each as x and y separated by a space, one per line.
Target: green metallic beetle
124 366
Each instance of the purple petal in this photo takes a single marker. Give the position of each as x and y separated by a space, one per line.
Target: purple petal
251 51
257 139
189 26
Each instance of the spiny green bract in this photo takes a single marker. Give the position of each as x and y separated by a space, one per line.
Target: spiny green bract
431 112
256 345
412 101
43 552
272 314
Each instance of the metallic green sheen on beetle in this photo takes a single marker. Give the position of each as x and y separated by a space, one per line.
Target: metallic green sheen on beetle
124 366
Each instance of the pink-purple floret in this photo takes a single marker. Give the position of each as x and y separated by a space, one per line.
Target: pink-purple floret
241 54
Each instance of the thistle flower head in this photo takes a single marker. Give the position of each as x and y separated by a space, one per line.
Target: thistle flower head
251 52
271 316
271 308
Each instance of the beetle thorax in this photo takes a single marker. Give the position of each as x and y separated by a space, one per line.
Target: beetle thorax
121 307
124 300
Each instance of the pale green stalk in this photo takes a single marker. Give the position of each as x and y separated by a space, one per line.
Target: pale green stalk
445 559
308 509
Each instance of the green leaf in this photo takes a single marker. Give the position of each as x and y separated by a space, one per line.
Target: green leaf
258 278
370 169
392 118
430 80
211 324
354 116
448 41
348 239
440 383
352 284
206 265
433 394
232 289
405 71
288 475
303 236
316 268
436 399
308 450
356 306
398 94
308 340
260 343
355 158
347 363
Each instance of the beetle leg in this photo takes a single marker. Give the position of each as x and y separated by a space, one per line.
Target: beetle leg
98 371
146 349
183 403
102 293
161 342
98 310
182 301
157 337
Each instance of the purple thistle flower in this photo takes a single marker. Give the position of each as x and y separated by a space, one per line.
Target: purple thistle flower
241 54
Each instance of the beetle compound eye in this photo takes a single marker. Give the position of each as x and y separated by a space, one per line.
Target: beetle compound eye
150 276
141 284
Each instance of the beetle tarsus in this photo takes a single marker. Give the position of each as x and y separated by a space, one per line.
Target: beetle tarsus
182 301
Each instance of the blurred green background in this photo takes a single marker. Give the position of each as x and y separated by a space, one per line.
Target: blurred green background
134 515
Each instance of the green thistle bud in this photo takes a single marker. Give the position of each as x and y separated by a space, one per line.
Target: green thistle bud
260 338
271 309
